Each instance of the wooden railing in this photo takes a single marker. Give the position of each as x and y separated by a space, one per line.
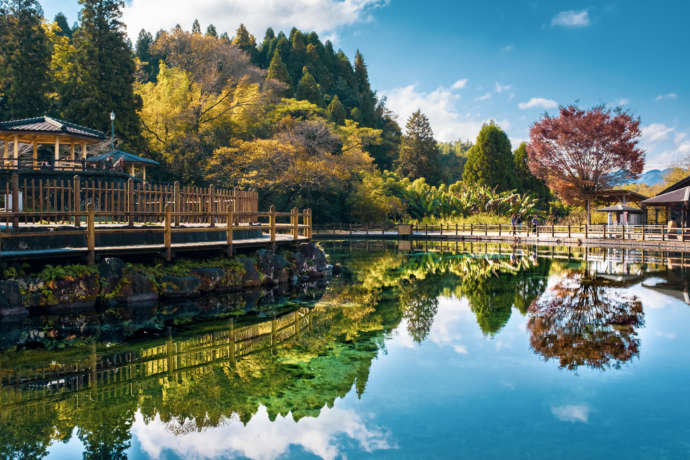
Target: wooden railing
31 200
583 231
228 222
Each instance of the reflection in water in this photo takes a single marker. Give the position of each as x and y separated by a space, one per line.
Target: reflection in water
259 374
582 321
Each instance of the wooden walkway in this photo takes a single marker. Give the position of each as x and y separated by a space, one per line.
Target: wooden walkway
295 227
649 237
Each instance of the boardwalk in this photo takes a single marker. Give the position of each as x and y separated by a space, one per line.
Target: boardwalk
651 236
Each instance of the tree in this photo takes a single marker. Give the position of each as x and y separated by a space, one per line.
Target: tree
105 68
336 111
578 152
526 181
211 31
148 63
245 41
196 27
26 60
490 160
308 89
419 153
277 70
61 21
367 98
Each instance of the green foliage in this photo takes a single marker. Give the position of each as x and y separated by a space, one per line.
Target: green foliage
277 70
336 111
309 90
490 160
526 181
419 152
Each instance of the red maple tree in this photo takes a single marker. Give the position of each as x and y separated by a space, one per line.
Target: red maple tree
580 152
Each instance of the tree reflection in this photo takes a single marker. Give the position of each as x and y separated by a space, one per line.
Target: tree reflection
419 303
582 321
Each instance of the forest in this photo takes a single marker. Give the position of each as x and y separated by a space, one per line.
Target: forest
289 116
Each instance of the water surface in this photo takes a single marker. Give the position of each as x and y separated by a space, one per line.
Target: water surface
433 351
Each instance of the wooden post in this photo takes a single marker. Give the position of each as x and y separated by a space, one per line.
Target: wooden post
456 229
272 225
83 151
34 157
586 231
91 233
130 202
569 231
167 234
499 231
211 193
295 223
623 232
15 199
6 155
16 151
553 231
426 230
177 203
228 231
643 232
309 227
57 153
663 233
471 229
76 200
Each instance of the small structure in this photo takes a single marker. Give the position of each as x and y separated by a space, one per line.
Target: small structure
673 203
624 215
127 161
46 131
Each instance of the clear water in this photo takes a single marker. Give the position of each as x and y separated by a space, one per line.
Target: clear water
441 352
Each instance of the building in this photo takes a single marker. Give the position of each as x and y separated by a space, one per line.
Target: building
670 207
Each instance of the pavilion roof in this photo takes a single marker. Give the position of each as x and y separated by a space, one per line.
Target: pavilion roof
50 126
621 208
128 158
614 195
679 196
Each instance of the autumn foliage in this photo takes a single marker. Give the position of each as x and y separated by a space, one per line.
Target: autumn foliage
580 152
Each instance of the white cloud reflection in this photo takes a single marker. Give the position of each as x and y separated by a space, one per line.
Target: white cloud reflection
571 413
260 438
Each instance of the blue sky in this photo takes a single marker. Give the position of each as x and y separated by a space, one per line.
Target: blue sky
464 63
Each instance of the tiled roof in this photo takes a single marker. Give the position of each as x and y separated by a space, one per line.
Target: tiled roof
47 124
681 195
620 208
126 157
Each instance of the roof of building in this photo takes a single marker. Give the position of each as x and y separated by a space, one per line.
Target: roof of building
621 208
614 195
125 156
49 125
681 195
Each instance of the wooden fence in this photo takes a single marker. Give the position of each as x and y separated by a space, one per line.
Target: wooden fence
584 231
31 200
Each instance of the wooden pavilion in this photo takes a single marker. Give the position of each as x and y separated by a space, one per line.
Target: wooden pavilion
672 203
46 131
125 159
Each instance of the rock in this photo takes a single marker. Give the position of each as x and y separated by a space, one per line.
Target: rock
133 288
10 294
271 265
210 278
310 261
111 270
251 277
180 286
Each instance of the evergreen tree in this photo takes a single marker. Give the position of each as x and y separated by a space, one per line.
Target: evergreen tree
225 37
246 42
106 68
490 160
367 98
26 55
196 27
336 111
309 90
277 70
525 180
211 31
61 21
419 152
149 62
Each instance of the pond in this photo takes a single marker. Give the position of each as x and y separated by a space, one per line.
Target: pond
420 350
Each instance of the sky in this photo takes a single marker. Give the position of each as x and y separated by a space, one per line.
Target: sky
465 63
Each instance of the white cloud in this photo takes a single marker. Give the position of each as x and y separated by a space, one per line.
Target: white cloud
538 102
655 132
623 101
678 138
670 96
439 105
261 438
571 18
484 97
460 84
501 88
257 15
508 48
571 413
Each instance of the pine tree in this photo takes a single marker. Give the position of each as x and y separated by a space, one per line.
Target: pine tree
106 68
277 70
246 42
149 62
490 160
196 27
211 31
26 56
367 98
309 90
525 180
61 21
336 111
419 152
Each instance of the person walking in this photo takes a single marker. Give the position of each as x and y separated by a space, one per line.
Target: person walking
513 222
535 224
